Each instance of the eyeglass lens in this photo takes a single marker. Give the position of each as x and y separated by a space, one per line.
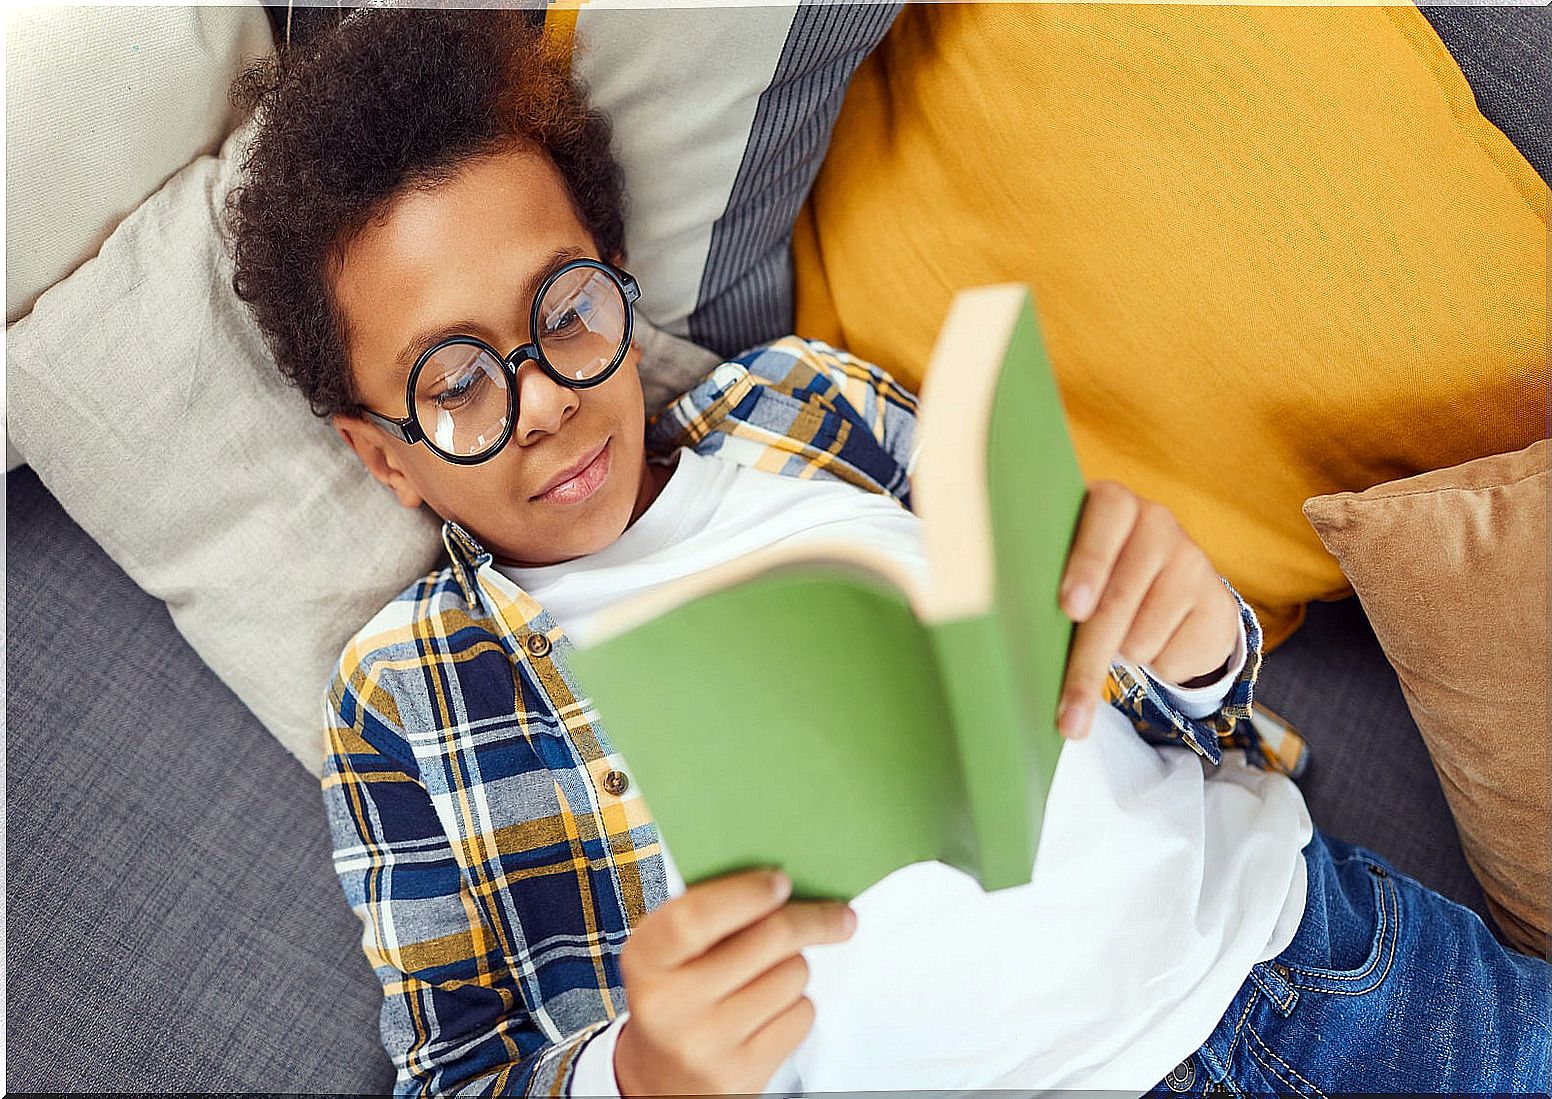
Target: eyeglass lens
461 395
581 323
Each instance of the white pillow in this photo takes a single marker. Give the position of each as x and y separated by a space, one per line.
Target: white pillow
146 401
102 105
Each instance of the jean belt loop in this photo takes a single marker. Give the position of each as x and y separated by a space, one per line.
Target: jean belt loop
1277 981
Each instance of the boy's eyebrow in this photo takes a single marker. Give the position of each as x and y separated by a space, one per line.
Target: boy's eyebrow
417 347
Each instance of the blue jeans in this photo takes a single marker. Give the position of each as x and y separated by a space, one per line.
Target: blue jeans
1386 987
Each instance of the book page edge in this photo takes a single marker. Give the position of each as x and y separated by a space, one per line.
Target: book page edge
948 484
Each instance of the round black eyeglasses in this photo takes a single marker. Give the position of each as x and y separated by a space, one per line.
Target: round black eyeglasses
462 393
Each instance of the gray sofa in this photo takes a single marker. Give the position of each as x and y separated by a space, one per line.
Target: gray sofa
173 921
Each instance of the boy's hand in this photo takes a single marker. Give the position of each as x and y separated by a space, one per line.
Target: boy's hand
714 980
1137 585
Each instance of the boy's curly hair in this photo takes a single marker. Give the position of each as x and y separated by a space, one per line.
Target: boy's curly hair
390 100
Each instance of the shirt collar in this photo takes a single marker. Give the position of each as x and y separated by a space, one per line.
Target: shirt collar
468 557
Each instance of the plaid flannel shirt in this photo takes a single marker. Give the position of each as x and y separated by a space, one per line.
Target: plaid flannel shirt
495 875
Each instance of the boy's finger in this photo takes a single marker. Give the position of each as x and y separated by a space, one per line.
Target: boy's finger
1109 511
708 912
749 1008
1164 607
1096 641
1212 627
769 1046
743 956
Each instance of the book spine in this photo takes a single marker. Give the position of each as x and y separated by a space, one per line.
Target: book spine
1005 788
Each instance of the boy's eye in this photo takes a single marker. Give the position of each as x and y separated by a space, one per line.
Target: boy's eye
562 322
456 396
574 313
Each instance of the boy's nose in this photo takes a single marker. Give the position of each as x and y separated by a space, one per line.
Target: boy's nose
542 404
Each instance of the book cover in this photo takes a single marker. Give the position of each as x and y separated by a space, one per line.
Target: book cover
814 708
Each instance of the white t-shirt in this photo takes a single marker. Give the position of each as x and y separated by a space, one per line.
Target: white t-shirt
1158 882
710 511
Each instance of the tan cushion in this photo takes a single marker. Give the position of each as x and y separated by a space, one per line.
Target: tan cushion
1451 567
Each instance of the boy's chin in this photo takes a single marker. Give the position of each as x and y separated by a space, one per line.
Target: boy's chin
587 535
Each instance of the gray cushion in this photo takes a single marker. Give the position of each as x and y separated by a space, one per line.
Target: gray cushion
173 920
1502 52
1369 780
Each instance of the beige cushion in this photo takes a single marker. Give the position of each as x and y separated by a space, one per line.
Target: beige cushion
1451 567
147 402
102 105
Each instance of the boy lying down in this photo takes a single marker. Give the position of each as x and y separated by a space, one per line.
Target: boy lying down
430 235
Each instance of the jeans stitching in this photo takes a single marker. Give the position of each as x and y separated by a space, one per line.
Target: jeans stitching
1272 1054
1388 896
1228 1054
1285 1000
1379 938
1269 1067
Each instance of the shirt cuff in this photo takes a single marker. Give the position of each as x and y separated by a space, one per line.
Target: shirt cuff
1199 702
593 1075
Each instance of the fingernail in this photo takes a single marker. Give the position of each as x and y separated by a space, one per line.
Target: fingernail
1080 600
1069 719
849 919
781 885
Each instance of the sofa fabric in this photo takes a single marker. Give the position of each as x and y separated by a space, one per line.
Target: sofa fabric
1370 780
1502 51
173 920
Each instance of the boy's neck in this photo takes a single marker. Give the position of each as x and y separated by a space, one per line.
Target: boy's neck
654 476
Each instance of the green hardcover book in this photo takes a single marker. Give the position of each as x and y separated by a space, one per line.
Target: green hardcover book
813 708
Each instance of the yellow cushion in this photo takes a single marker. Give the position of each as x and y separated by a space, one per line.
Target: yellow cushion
1278 252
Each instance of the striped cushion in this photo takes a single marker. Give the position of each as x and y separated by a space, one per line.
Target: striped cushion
721 116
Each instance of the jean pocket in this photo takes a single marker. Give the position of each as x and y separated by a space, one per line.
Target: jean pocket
1358 940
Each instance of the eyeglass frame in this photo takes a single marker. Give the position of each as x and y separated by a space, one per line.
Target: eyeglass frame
408 430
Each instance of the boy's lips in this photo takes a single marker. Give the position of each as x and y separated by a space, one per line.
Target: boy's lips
577 481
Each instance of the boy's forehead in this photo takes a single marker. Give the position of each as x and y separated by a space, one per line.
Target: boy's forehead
464 256
486 211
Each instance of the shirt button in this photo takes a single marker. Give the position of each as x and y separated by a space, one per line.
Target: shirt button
1283 971
616 782
1181 1077
537 645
